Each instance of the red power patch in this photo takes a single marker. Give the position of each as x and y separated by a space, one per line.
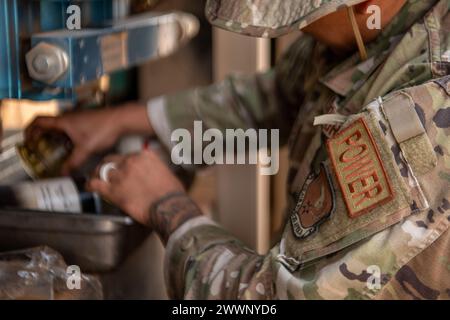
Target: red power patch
359 170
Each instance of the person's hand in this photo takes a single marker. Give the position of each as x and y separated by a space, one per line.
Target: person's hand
90 132
137 182
93 131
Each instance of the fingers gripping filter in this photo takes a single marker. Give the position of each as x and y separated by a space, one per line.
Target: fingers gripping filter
270 18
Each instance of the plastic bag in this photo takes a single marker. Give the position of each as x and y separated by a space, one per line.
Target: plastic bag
41 274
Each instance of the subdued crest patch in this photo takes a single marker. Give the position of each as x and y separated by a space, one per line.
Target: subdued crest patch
315 204
359 169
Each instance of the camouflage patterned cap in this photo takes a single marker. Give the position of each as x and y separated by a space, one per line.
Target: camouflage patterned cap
270 18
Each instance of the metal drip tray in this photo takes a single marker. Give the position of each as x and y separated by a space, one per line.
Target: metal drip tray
96 243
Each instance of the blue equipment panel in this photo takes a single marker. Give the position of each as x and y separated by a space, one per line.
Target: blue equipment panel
20 20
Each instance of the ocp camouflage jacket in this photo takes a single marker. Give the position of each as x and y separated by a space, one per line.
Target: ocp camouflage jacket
369 190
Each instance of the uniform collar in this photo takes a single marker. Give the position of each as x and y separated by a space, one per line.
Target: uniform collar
349 75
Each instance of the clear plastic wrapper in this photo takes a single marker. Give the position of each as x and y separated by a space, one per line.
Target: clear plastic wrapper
41 274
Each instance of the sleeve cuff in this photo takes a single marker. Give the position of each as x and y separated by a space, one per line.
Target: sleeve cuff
161 122
178 249
156 111
185 228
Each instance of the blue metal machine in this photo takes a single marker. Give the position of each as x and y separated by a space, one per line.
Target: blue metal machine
40 58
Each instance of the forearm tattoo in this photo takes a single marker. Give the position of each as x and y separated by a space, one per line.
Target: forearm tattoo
170 212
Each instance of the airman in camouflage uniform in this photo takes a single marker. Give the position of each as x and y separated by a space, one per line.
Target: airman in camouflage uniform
369 201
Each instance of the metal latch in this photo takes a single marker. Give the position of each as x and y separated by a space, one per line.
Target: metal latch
69 58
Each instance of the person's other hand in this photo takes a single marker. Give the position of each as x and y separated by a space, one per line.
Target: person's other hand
137 183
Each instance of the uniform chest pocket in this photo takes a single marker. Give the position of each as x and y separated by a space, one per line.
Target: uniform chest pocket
365 186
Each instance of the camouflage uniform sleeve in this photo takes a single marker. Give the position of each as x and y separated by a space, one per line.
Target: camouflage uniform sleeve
203 261
237 102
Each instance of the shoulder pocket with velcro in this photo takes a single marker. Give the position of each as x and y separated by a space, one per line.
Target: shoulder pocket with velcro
367 184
